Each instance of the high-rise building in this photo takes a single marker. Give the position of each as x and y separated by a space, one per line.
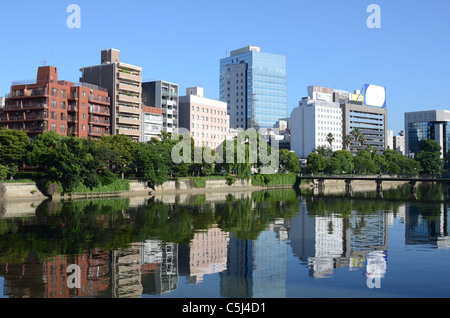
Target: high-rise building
254 85
339 112
399 142
124 84
315 118
206 119
152 122
46 104
431 124
164 95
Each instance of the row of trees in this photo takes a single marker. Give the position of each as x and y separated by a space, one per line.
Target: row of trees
72 162
428 161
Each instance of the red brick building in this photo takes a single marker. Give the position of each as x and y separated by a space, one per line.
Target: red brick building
49 104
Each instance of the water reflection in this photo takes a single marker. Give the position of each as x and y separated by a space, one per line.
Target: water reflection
158 246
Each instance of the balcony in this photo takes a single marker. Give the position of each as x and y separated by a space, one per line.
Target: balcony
129 99
128 121
130 88
99 99
129 110
34 105
98 121
128 132
36 116
129 76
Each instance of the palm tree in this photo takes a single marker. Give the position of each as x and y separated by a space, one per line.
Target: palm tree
330 139
347 141
362 139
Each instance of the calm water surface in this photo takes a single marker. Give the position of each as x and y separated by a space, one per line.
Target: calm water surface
270 244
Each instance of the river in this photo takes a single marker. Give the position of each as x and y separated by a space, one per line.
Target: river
268 244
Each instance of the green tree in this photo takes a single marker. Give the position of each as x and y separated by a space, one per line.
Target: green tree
347 141
330 139
151 166
117 151
364 163
344 162
13 147
315 163
429 157
289 161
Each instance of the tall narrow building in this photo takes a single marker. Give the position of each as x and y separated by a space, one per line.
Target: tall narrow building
124 84
163 95
254 85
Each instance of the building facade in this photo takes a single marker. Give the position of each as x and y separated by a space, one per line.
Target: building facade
399 142
163 95
152 122
315 118
205 118
370 120
254 85
432 124
49 104
338 112
124 84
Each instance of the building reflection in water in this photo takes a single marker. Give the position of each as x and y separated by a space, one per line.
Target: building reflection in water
325 243
257 268
206 254
247 268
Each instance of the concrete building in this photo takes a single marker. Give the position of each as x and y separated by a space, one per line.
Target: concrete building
124 84
370 120
399 142
316 116
152 122
339 112
390 139
431 124
163 95
48 103
254 85
206 119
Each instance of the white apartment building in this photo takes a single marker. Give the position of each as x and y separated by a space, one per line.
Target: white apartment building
311 122
206 119
152 122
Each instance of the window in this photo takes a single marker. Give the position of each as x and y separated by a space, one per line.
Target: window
63 93
63 128
63 105
63 116
53 127
83 94
54 92
83 127
54 103
53 115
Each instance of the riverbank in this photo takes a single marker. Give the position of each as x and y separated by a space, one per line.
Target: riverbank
29 192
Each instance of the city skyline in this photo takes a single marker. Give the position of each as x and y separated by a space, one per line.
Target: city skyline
325 43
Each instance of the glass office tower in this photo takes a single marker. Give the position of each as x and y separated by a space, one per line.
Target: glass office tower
253 84
432 124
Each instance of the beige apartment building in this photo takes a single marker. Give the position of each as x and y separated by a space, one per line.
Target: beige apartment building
206 119
124 84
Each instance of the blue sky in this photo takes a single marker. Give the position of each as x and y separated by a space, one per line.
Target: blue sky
326 42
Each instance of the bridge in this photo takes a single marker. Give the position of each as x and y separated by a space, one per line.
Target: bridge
319 181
